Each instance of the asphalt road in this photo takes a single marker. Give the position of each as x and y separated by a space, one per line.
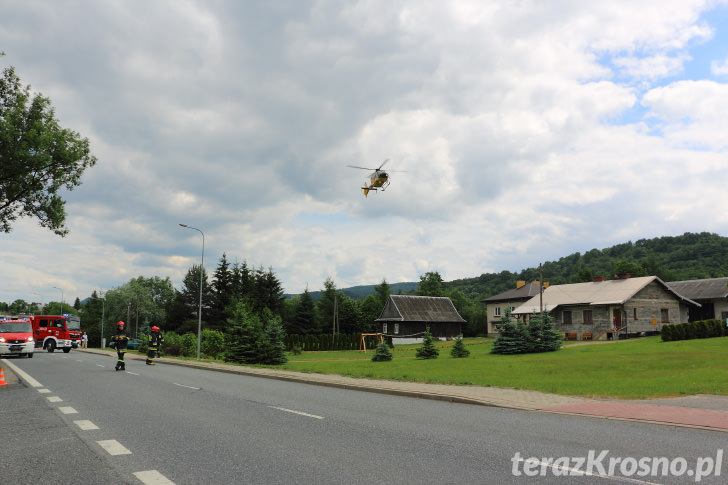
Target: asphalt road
190 426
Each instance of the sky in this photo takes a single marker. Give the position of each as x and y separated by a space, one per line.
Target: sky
518 132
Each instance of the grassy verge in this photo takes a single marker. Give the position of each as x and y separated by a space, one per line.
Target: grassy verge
636 369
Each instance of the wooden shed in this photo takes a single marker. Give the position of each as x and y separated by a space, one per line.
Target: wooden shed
405 318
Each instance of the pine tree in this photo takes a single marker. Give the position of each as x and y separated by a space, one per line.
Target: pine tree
542 336
274 347
458 350
243 336
428 349
512 338
383 353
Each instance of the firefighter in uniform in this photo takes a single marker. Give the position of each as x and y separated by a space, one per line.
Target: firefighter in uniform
121 338
155 343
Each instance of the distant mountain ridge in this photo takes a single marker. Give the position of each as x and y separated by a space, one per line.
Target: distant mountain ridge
672 258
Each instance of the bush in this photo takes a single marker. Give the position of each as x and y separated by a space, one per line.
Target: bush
173 350
213 344
188 342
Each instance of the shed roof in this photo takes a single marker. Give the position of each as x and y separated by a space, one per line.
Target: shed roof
609 292
523 293
707 289
411 308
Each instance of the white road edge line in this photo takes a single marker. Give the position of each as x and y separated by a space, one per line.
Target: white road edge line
22 374
85 424
153 477
188 387
297 412
113 447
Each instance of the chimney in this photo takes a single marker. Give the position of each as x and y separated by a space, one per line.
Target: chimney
520 284
621 276
598 279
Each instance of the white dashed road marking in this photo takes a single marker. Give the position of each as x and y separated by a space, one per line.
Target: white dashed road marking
54 399
113 447
153 477
297 412
188 387
44 391
85 424
67 410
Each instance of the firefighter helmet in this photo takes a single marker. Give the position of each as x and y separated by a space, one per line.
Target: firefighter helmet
120 324
155 329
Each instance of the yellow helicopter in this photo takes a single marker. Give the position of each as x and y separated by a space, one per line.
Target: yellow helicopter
379 179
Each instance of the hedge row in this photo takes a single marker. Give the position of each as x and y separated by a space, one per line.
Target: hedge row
687 331
340 341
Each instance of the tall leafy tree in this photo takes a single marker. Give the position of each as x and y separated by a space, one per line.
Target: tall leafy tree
431 284
370 307
38 158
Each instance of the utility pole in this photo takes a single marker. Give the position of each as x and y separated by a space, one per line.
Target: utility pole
540 290
336 315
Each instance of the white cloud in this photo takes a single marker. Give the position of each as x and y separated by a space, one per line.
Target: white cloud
527 131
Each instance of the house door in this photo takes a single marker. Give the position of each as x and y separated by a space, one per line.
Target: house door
617 318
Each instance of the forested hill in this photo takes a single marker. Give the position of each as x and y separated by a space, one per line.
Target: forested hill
687 257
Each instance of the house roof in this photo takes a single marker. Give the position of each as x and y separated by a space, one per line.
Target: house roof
707 289
609 292
410 308
523 293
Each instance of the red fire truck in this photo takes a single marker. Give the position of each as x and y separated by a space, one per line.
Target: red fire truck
53 332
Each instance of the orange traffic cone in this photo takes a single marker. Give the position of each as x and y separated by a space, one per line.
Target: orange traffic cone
2 377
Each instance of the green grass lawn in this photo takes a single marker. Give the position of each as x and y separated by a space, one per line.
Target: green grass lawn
638 368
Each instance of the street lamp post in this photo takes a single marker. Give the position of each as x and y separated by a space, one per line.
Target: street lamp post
199 310
57 288
103 312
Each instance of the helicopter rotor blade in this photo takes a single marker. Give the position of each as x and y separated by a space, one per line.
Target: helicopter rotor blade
383 163
363 168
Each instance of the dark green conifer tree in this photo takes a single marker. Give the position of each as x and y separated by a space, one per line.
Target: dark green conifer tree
542 336
458 350
383 353
243 336
428 349
274 336
512 337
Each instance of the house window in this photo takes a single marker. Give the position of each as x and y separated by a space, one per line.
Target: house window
384 328
496 311
634 317
665 314
567 317
396 328
588 318
513 309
